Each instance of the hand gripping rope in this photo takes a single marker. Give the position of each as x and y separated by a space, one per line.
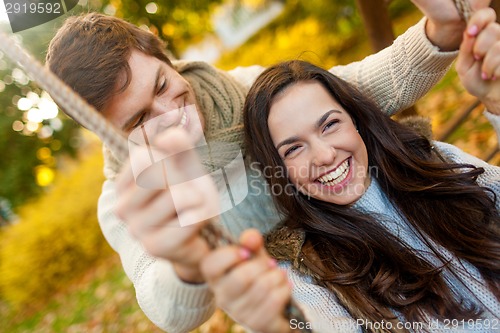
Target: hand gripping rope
78 109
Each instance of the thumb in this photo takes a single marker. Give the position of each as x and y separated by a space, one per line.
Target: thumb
252 240
177 150
466 58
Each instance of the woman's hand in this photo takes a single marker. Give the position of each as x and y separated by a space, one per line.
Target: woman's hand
445 26
248 285
154 217
478 64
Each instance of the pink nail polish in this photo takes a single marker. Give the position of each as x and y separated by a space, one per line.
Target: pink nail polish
484 76
473 30
244 253
494 78
272 263
477 57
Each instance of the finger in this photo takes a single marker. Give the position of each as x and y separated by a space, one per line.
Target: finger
244 276
222 260
491 62
160 213
137 198
178 244
272 309
196 200
486 39
267 282
266 298
479 4
479 20
182 162
476 40
252 240
465 58
125 178
237 279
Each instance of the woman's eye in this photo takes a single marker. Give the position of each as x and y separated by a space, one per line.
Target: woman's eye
290 150
330 124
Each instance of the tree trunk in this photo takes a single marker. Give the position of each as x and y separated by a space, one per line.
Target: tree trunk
377 23
495 4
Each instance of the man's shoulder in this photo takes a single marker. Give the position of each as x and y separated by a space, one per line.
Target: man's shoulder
246 75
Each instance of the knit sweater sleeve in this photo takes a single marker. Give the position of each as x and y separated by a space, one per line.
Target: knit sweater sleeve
495 122
322 310
169 303
400 74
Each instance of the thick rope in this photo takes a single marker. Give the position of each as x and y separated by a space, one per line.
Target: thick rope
77 108
464 9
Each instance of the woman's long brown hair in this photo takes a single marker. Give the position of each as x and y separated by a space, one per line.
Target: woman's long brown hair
373 270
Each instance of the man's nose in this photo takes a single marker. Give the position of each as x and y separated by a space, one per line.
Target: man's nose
163 107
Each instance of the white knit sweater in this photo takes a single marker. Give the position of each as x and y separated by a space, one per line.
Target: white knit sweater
395 78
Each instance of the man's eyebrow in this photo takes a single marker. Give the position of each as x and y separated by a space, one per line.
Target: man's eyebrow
136 115
318 124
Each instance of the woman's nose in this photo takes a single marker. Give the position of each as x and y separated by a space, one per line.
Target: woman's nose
323 154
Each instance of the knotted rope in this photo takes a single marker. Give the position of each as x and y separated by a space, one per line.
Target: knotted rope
464 9
78 109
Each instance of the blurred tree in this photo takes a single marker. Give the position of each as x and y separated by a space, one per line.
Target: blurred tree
495 4
29 148
179 23
376 20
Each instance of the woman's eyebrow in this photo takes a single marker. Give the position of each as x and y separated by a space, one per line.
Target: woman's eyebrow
325 116
320 121
287 142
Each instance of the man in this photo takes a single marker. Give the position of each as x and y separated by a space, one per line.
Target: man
123 71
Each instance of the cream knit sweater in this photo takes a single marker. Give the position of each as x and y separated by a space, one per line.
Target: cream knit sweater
395 78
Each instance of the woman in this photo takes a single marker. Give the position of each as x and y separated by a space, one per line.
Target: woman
403 231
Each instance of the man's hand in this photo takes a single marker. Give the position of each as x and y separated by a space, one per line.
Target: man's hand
248 285
478 64
153 216
445 26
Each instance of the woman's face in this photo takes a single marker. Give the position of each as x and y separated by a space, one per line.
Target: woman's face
316 138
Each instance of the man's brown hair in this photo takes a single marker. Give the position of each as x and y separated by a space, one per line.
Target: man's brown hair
91 51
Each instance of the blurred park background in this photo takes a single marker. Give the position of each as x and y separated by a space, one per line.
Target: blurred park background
57 274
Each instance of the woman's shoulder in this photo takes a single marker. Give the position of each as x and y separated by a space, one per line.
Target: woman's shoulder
456 155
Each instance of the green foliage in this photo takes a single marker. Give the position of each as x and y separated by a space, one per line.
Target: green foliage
57 237
19 148
334 33
179 23
17 170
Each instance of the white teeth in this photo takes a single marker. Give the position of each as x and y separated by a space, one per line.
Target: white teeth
183 121
336 176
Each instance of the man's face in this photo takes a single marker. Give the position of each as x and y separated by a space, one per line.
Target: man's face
155 89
